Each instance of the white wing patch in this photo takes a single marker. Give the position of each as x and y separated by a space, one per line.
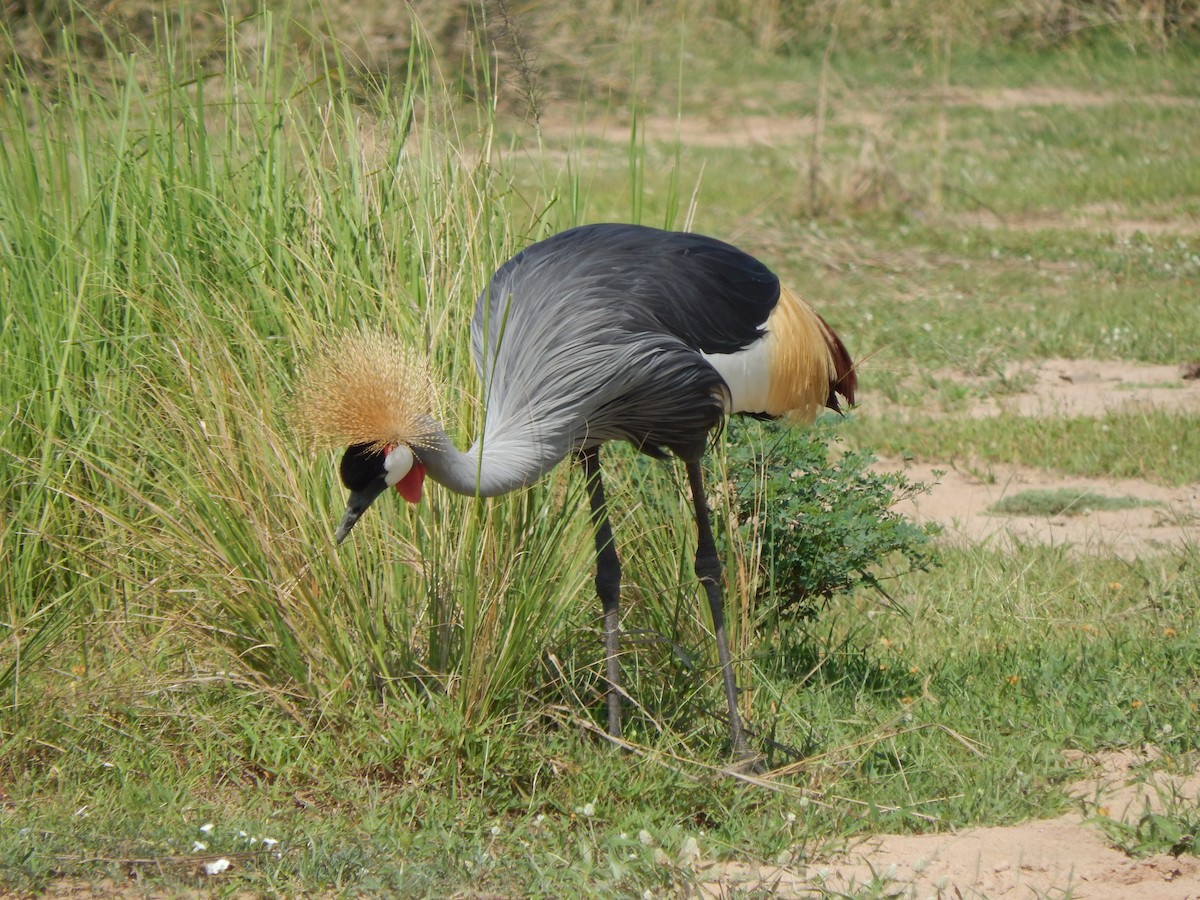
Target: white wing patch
748 374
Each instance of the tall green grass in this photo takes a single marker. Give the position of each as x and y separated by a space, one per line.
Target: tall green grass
176 247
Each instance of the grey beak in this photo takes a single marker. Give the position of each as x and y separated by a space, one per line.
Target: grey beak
357 505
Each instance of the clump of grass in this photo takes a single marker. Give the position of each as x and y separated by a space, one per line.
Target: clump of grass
1172 825
1063 502
211 233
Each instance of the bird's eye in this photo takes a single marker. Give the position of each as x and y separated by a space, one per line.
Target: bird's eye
361 464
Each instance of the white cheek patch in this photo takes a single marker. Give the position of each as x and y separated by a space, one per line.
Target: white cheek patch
397 464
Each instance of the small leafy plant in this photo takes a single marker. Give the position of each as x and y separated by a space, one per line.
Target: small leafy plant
825 518
1156 833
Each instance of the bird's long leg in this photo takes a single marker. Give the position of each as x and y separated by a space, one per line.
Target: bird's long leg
708 570
608 582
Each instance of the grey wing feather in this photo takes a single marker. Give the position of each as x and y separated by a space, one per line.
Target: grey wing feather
567 361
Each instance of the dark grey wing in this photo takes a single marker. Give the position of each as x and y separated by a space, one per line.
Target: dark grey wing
709 294
666 398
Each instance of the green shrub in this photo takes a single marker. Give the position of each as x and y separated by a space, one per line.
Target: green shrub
825 519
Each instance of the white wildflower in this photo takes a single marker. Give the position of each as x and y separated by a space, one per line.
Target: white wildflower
689 853
216 867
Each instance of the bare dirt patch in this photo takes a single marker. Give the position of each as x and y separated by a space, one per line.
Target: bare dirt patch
1087 218
960 501
1066 856
1084 387
1074 98
753 128
691 131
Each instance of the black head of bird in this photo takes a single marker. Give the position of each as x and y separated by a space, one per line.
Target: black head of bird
369 394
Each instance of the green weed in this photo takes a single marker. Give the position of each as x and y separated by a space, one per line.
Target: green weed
822 525
1169 826
1063 502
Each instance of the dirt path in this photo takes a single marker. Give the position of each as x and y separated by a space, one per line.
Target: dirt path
1066 856
960 501
1089 387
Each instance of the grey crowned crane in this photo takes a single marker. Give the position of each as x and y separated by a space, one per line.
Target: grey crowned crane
603 332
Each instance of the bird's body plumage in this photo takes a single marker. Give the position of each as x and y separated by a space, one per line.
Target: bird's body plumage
621 332
599 333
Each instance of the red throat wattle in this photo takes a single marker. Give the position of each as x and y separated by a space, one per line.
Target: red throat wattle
410 485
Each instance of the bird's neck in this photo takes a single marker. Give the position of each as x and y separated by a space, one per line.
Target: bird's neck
487 469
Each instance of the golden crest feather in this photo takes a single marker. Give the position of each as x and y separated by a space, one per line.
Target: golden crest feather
803 367
364 388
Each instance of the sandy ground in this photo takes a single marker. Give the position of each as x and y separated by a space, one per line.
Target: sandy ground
960 500
1084 387
1064 857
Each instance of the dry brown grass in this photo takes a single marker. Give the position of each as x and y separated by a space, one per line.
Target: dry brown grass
519 55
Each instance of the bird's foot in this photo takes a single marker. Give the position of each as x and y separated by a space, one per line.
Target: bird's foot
747 762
